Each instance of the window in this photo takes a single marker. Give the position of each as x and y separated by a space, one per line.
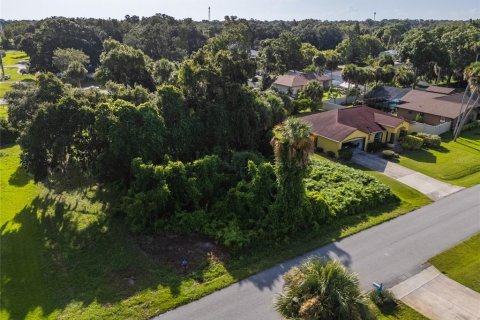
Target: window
378 136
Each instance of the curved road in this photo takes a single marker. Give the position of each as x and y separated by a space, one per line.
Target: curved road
388 253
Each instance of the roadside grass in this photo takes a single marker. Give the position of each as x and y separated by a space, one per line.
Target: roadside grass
455 162
65 255
3 112
400 312
461 263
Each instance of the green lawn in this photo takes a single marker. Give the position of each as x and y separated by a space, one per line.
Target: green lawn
461 263
455 162
12 58
63 256
3 111
401 312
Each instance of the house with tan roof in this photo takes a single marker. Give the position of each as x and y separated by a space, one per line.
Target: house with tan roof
293 81
436 105
354 128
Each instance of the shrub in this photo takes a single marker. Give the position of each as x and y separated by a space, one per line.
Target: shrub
345 154
430 140
472 125
331 154
8 134
389 154
419 118
412 142
318 207
346 191
375 146
319 149
384 298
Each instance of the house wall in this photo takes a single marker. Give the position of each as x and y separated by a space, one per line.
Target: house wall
328 145
428 118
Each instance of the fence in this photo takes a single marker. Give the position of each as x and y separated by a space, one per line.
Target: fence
426 128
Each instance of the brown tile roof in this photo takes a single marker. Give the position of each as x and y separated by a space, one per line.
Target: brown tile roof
298 79
439 104
339 124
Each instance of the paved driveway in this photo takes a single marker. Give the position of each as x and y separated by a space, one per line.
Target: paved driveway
432 188
439 297
389 253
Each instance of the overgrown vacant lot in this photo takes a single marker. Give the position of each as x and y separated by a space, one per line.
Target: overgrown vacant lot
64 255
456 162
461 263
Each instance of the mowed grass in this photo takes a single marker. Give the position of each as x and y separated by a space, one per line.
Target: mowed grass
400 312
461 263
64 255
3 111
11 58
455 162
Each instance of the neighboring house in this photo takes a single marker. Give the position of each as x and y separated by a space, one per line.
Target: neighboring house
354 128
386 97
393 53
436 105
294 81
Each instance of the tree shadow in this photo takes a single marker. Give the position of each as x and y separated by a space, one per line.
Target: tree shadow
53 256
19 178
421 156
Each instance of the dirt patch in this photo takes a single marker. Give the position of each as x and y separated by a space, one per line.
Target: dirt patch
172 249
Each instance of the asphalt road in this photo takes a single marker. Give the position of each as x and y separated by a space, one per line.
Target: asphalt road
388 253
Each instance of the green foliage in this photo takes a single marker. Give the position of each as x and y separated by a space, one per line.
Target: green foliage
375 146
322 290
75 73
390 154
62 58
345 154
419 118
386 60
411 142
277 56
8 134
313 91
383 299
124 64
430 140
346 191
472 125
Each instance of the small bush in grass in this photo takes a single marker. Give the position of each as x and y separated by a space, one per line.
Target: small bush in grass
430 140
345 154
412 142
8 134
472 125
384 298
331 154
389 154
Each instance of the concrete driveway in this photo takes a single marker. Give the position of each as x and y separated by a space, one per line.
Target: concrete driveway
432 188
438 297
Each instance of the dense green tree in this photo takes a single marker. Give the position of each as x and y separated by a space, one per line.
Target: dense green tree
75 73
163 71
385 60
124 64
313 91
405 77
62 58
322 290
319 62
280 55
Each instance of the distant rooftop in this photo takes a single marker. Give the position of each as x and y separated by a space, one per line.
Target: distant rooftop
298 79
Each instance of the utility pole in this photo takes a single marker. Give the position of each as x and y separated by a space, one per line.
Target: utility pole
208 13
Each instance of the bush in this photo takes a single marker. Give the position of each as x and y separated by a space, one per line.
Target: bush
345 154
430 140
8 134
384 298
389 154
472 125
331 154
412 142
375 146
419 118
318 207
319 149
346 191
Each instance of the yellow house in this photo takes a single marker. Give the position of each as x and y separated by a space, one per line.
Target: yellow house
354 128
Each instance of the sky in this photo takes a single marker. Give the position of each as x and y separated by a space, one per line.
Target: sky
257 9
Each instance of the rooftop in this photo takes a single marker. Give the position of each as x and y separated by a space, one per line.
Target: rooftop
299 79
339 124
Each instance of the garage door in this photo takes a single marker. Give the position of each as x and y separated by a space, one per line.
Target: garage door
354 144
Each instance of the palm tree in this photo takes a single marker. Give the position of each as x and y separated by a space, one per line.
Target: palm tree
322 290
349 74
472 75
292 143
